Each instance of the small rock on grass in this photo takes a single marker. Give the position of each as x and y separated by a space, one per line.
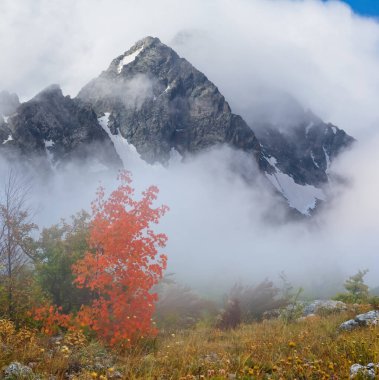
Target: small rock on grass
366 319
368 371
16 370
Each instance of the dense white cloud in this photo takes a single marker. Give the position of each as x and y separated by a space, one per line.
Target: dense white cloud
323 54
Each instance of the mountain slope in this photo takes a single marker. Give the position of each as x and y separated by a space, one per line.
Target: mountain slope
301 155
153 102
57 129
159 102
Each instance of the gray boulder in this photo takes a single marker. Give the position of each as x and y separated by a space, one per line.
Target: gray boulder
368 371
16 370
318 306
349 325
369 318
366 319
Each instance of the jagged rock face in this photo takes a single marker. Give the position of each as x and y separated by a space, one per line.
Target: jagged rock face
299 142
8 105
300 153
153 99
159 101
304 151
7 146
4 131
60 129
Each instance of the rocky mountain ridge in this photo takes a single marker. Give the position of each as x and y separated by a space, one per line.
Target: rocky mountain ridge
158 102
53 129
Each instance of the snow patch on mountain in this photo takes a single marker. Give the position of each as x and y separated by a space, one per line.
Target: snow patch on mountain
10 138
308 127
301 197
168 88
175 157
327 158
49 154
127 152
272 160
314 160
128 59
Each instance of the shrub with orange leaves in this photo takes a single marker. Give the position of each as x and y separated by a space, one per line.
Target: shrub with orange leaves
122 265
52 319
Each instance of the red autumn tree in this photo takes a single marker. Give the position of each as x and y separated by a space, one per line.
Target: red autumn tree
123 264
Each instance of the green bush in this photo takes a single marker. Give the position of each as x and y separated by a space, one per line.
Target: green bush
59 247
357 290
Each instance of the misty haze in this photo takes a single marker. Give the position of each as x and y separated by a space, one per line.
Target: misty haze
189 190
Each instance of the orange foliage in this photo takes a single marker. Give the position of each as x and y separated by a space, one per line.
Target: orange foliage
123 264
120 269
52 319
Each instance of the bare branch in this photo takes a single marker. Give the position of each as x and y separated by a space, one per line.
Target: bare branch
16 249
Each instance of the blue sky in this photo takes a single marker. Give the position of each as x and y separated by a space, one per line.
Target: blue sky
365 7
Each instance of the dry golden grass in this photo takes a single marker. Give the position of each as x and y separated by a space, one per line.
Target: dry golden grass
312 348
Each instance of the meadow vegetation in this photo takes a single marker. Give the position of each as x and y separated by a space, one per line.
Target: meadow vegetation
311 348
89 300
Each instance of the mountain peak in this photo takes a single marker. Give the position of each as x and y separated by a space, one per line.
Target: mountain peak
51 91
148 51
148 41
153 99
144 43
158 101
57 129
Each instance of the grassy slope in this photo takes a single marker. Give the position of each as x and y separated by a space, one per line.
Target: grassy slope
309 349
